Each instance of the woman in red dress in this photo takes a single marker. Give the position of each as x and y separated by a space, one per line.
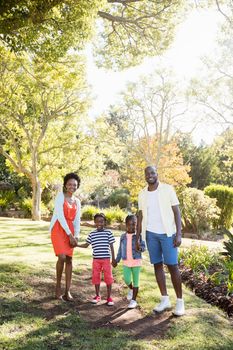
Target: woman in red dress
64 228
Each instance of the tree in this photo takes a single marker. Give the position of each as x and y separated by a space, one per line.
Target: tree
202 160
150 112
128 29
214 91
39 106
223 150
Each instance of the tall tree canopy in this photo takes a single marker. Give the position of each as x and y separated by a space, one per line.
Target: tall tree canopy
128 29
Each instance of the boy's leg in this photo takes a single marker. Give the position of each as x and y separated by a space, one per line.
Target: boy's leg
96 271
97 289
109 290
108 277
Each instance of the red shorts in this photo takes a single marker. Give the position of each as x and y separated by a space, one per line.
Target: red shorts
99 266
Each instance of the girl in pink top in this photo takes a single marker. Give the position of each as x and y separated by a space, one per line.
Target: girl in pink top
132 259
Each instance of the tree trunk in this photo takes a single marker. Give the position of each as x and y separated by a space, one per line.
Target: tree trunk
36 200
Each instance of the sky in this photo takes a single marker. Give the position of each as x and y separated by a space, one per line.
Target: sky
195 38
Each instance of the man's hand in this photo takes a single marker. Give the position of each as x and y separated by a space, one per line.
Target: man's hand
73 241
177 240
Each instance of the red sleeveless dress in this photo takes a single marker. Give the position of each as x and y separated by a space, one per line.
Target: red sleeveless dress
60 240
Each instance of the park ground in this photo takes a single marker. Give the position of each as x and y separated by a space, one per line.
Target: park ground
32 319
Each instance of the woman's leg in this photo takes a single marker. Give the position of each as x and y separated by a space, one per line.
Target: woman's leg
68 273
59 271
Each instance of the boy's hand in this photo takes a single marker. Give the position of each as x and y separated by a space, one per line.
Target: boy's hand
114 263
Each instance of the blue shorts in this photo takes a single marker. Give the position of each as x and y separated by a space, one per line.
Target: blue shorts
161 249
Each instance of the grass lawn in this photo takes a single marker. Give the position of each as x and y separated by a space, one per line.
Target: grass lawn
31 319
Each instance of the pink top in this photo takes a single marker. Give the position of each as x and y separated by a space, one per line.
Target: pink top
130 261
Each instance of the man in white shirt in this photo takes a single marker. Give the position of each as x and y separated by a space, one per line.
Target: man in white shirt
159 222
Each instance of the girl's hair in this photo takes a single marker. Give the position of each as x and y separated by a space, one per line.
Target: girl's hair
69 176
100 215
130 217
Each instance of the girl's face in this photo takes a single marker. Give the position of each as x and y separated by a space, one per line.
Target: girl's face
131 225
99 223
71 186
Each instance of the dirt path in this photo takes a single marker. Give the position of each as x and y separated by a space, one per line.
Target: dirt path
138 325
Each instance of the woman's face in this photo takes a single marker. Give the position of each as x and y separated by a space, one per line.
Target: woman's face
71 185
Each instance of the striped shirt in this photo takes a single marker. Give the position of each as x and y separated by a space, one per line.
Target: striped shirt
100 242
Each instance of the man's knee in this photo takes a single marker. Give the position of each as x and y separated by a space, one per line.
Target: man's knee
158 266
173 268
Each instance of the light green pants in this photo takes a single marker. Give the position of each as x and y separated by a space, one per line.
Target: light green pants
128 272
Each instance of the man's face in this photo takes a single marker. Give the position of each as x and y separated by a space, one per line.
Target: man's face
151 175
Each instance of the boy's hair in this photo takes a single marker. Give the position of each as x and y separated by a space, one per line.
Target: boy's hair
100 215
130 217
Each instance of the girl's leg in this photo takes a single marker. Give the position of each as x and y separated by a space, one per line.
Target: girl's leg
127 276
68 272
135 273
59 271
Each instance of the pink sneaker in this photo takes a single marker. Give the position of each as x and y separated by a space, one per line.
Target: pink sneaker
96 299
110 302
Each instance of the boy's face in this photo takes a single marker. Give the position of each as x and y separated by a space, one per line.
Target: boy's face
131 225
99 223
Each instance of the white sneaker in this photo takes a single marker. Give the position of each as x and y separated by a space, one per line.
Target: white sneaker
179 310
130 294
163 305
132 304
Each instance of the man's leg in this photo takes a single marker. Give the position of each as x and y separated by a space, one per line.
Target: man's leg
176 279
160 278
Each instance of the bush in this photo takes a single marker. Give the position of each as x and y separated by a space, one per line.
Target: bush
224 197
119 197
198 258
114 214
88 212
26 206
199 212
7 199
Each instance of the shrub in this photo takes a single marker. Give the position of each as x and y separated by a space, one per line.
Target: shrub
228 245
7 198
199 212
119 197
224 197
26 206
198 258
114 214
88 212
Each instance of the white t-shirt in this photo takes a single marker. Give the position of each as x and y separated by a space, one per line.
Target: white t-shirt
154 218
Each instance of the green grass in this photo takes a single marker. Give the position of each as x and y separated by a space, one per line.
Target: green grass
31 319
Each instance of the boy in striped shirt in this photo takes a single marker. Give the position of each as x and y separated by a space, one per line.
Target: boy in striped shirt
101 241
